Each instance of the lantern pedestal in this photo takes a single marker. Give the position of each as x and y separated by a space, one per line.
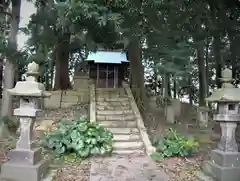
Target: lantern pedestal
222 166
18 171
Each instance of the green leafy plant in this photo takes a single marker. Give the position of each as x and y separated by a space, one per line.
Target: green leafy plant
79 138
174 144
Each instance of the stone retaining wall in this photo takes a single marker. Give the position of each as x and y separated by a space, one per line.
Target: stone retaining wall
140 124
81 82
65 99
92 102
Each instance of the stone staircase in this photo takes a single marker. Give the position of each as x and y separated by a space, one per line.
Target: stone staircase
113 111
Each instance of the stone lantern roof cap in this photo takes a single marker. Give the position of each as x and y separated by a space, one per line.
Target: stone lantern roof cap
30 87
225 95
228 93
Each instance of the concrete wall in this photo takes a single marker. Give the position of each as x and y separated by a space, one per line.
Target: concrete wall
65 99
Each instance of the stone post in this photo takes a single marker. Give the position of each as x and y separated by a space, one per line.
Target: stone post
92 103
26 162
170 114
202 115
224 163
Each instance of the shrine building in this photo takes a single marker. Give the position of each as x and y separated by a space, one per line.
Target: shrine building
107 68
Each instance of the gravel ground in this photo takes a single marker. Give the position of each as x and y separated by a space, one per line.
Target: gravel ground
71 171
77 171
126 168
5 146
181 169
185 169
178 169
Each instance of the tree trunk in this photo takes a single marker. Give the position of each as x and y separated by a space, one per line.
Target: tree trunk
174 87
233 45
155 74
169 87
207 71
190 91
207 66
1 76
166 91
137 70
9 65
47 77
165 86
201 75
51 77
216 41
53 60
62 81
218 60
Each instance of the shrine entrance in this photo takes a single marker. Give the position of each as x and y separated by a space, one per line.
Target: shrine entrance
107 69
107 76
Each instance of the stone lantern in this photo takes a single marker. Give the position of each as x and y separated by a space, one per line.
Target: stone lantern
26 162
224 164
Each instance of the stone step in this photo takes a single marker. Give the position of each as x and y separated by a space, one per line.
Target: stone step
122 131
128 152
120 91
113 99
125 137
113 104
112 108
104 90
110 89
111 94
107 97
118 124
137 145
114 112
113 117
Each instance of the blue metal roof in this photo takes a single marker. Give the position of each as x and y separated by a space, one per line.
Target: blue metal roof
107 57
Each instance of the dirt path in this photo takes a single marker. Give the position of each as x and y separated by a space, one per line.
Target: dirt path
126 168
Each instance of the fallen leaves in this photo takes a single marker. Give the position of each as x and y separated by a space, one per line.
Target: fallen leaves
185 169
77 171
70 171
5 146
181 169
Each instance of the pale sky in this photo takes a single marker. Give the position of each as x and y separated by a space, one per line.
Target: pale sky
27 9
